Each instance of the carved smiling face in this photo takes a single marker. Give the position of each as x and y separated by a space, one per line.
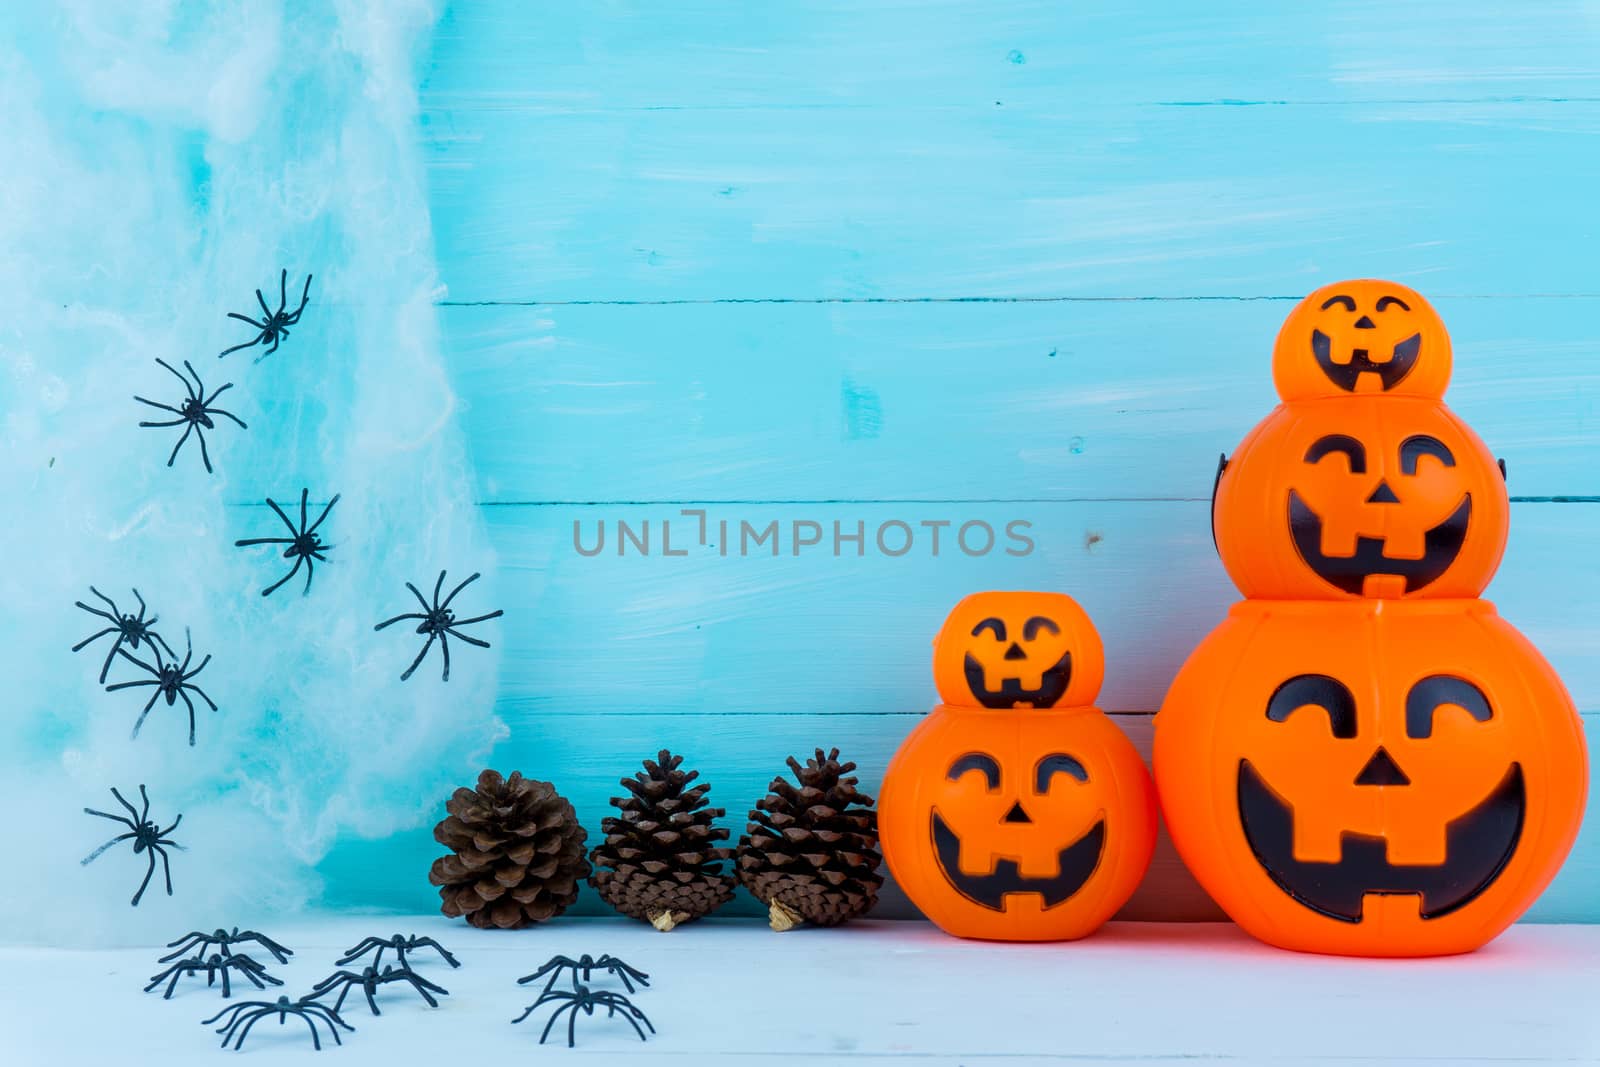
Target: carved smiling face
1357 779
1363 336
1361 497
1017 825
1018 650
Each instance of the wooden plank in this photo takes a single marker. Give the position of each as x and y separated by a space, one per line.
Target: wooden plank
586 752
985 401
874 993
1067 201
776 635
949 54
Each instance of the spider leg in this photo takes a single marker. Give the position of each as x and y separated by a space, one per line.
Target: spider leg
190 704
144 806
294 531
245 1031
247 542
229 414
131 685
425 606
309 568
478 618
153 697
269 590
444 646
95 637
172 458
454 591
372 1002
436 587
282 954
112 615
171 986
160 425
205 456
186 386
324 515
361 949
247 344
398 618
91 857
573 1007
184 941
105 668
166 865
137 662
283 289
428 942
263 302
426 645
305 295
202 692
112 604
246 318
164 407
526 1012
148 874
451 630
153 637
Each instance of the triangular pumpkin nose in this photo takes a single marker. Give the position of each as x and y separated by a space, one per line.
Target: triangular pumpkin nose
1383 495
1016 814
1015 652
1364 323
1381 769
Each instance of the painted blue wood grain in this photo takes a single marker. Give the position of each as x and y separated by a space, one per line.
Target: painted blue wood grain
956 216
758 634
953 401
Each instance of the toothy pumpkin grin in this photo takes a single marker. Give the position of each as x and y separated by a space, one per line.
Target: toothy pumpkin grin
1053 682
1478 845
1441 545
1390 372
1078 861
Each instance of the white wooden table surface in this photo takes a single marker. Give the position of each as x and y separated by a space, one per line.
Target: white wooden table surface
732 992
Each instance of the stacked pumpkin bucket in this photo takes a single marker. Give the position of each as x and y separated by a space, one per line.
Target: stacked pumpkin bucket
1364 758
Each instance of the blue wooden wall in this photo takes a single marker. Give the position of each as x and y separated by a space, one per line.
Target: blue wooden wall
873 261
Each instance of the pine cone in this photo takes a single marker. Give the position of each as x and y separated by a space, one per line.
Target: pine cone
517 853
812 853
658 862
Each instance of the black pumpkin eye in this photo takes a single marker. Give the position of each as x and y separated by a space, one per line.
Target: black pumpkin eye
1350 305
976 761
1317 691
994 626
1385 301
1353 450
1437 690
1416 446
1031 628
1054 764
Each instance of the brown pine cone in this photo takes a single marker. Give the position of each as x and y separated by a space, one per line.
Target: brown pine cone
517 853
811 853
659 862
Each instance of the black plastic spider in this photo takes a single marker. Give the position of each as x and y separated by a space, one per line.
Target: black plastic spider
586 965
582 998
170 680
275 325
198 943
438 621
400 943
147 837
196 411
246 1013
370 979
129 628
304 544
216 965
